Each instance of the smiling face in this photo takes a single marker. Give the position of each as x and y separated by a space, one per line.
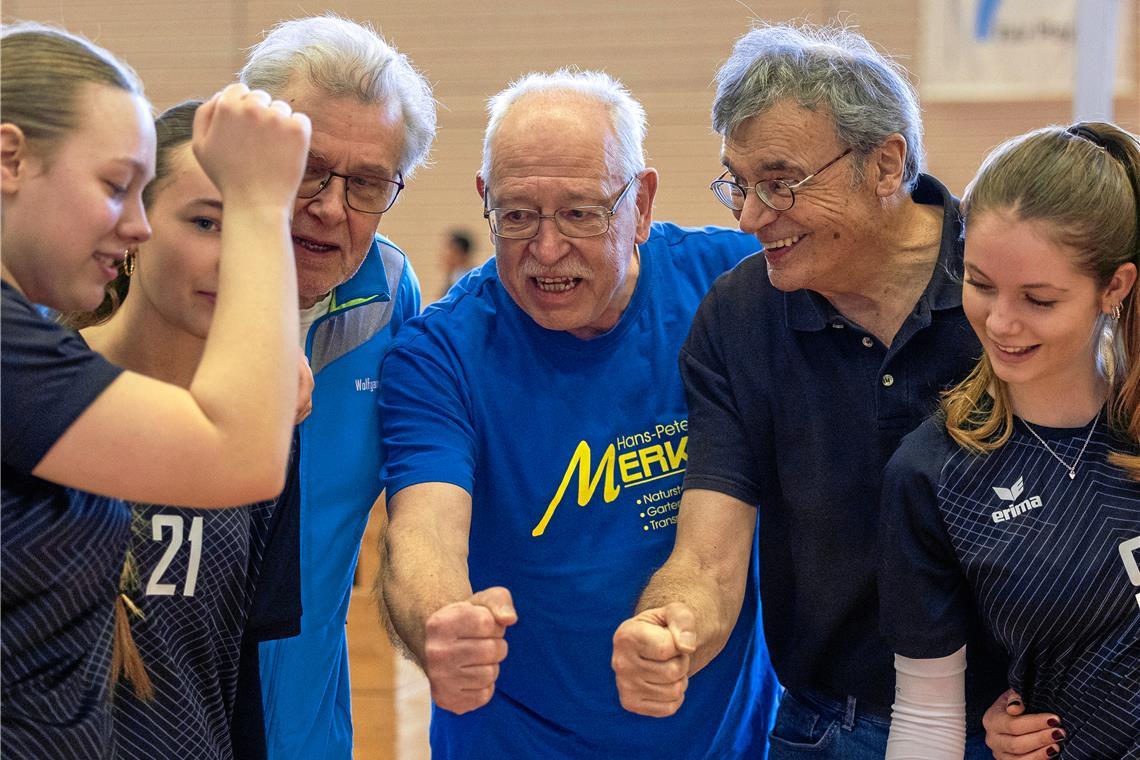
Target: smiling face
1034 311
69 217
330 240
552 152
177 274
812 244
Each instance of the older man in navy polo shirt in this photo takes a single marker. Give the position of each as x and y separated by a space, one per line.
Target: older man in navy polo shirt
804 368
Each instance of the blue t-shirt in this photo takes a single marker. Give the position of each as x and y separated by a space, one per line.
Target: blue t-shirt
573 452
61 550
1046 563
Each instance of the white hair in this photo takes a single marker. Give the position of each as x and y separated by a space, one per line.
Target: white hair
341 57
627 116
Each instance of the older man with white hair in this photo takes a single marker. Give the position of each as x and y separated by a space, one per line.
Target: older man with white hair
373 122
536 433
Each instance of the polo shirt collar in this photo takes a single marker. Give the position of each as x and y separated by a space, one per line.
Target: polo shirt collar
370 281
806 310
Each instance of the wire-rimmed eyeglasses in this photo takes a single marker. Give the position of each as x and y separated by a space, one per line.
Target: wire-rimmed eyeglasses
577 222
776 194
362 192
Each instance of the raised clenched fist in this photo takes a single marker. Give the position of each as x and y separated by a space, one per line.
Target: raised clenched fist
652 656
463 647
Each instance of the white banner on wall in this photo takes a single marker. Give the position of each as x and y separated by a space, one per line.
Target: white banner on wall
1010 49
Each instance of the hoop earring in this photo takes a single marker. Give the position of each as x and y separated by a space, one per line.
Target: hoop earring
1116 312
129 262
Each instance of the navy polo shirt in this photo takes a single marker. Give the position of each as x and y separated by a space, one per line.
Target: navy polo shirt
796 409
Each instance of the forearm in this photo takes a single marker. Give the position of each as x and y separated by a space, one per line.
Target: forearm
425 559
410 601
715 607
707 569
928 718
246 383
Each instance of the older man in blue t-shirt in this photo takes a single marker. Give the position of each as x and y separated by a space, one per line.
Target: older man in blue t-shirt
536 431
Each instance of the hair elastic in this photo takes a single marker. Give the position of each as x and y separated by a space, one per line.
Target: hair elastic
1083 132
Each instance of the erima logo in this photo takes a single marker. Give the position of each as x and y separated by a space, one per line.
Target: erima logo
1012 494
366 384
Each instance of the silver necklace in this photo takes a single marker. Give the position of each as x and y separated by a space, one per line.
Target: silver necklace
1073 467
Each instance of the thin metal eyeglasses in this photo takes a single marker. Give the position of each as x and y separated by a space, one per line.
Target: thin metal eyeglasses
578 222
776 194
366 194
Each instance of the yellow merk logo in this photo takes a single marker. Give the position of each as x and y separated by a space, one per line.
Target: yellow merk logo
636 467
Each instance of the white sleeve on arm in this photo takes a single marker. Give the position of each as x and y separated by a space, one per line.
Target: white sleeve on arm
928 718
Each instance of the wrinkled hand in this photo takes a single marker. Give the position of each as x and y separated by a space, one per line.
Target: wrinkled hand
305 384
1015 736
463 647
252 147
652 653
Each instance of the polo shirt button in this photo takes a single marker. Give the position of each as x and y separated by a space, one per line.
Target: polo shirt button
888 380
867 341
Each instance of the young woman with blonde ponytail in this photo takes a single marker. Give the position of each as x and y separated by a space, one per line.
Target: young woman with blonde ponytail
81 434
1017 507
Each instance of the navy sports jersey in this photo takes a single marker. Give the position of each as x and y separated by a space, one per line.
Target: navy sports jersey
61 550
1047 563
573 453
191 587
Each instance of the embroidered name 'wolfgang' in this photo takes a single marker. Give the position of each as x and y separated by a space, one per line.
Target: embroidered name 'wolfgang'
366 384
1013 493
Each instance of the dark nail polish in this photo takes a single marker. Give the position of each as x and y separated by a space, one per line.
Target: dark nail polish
1014 703
1058 735
1053 722
1051 752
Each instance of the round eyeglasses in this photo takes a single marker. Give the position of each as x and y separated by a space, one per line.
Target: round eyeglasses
776 194
578 222
363 193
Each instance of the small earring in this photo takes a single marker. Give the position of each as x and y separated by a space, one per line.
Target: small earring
1117 310
129 262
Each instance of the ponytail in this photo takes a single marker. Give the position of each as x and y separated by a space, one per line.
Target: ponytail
126 662
1124 380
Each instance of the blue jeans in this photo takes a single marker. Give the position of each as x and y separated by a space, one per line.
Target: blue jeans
812 726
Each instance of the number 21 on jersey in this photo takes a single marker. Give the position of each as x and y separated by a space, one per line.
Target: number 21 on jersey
1129 550
173 524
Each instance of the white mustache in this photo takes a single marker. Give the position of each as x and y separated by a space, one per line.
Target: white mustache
568 270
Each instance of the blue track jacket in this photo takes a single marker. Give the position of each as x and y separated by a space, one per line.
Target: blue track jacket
304 679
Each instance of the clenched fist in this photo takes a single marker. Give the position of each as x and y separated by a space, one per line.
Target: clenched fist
652 653
252 147
463 647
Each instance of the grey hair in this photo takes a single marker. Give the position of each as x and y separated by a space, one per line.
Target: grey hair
627 116
868 94
340 58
